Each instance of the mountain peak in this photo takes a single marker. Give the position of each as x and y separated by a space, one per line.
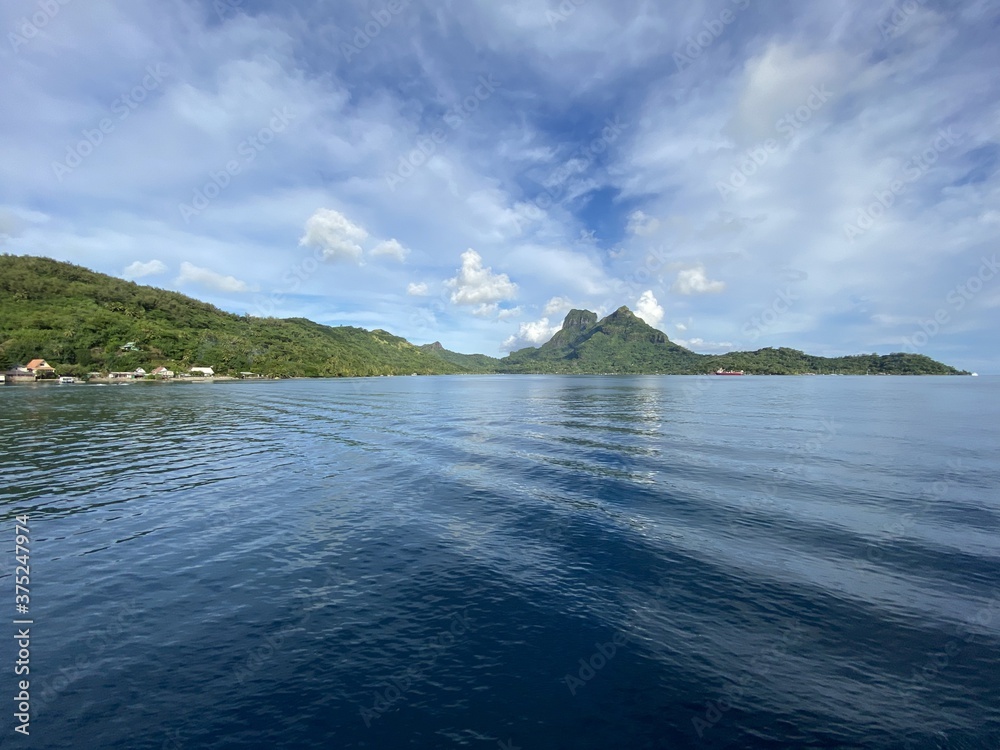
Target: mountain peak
579 320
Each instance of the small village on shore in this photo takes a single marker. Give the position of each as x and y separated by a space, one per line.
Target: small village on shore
40 371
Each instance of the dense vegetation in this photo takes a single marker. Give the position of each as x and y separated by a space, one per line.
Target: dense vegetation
623 343
470 362
78 320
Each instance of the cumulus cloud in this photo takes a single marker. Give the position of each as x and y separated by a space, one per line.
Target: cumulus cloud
648 309
695 281
642 225
535 333
511 312
333 233
391 249
557 305
191 273
138 269
417 290
476 285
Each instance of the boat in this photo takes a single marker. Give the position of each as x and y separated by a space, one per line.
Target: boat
975 374
720 371
67 379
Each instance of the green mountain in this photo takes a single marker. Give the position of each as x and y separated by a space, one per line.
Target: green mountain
623 343
469 362
79 321
620 343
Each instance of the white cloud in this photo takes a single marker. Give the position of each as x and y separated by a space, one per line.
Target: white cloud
697 343
335 234
531 334
191 273
778 82
680 327
417 290
478 285
138 269
648 309
511 312
392 249
695 281
642 225
557 305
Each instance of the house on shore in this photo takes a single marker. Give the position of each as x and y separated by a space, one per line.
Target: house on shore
121 375
19 372
250 376
41 369
204 372
162 372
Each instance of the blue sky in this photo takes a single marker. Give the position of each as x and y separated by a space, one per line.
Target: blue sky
742 174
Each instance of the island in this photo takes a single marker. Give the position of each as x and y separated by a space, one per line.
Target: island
85 324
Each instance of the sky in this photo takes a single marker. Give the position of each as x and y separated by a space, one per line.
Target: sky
741 174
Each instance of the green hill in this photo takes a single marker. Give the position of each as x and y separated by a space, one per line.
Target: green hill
623 343
78 320
470 362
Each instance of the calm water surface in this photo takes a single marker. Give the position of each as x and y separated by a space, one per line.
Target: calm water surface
508 562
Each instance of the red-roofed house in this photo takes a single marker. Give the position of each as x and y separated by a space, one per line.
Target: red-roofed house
41 368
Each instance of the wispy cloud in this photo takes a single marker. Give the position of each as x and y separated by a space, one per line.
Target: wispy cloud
346 152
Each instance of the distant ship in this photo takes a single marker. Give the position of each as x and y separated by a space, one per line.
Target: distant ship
720 371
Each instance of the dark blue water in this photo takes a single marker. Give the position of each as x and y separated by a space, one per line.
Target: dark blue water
508 562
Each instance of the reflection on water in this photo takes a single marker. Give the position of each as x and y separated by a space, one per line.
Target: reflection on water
553 562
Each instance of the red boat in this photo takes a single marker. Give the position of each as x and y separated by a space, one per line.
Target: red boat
720 371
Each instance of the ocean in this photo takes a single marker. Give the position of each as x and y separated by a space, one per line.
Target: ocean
506 562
